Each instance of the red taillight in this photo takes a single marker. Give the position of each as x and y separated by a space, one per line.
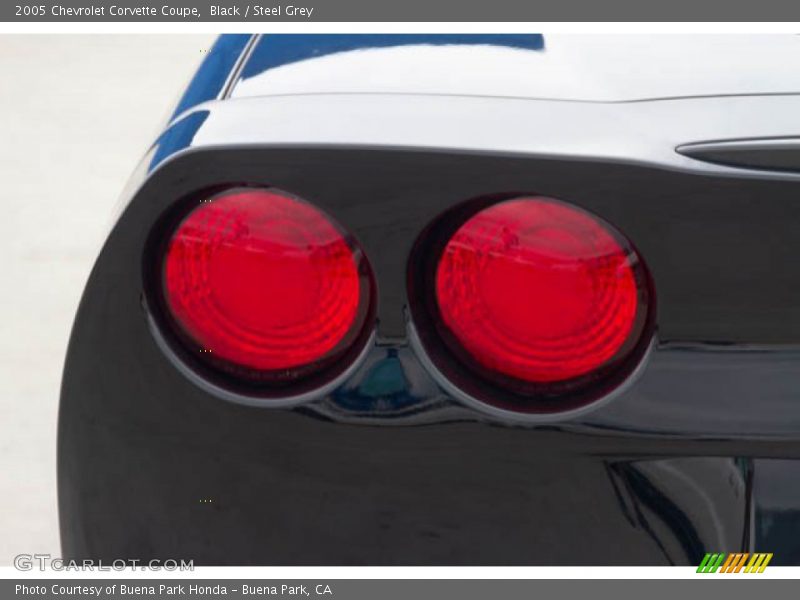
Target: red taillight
539 296
265 284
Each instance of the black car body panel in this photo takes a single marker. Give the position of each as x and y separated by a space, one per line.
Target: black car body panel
161 457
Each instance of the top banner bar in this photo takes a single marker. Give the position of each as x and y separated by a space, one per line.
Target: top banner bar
49 11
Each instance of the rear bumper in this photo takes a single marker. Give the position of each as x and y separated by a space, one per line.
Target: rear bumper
389 468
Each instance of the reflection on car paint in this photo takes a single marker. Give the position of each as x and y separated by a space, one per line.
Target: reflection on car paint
388 469
178 136
276 50
686 506
211 76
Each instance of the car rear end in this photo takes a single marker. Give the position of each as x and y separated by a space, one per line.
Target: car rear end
506 300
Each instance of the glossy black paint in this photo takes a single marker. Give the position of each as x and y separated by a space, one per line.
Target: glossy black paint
706 239
698 454
389 469
776 491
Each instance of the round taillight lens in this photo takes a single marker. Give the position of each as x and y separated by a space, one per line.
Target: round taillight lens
264 285
542 298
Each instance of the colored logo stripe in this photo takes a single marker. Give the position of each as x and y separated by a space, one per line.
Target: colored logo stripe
711 563
758 563
734 562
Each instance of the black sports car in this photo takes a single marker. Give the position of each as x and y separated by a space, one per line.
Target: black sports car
450 299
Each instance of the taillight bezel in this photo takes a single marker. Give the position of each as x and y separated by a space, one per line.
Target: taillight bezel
467 379
235 382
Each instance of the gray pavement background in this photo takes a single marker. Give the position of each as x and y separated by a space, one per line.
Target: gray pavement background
76 114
